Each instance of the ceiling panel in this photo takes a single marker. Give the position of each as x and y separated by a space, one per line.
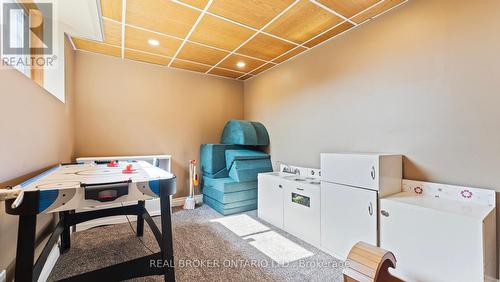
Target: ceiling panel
219 39
254 13
302 22
382 7
348 8
262 68
112 9
220 33
226 73
96 47
290 54
200 4
138 39
232 61
163 16
245 77
112 32
329 34
189 66
146 57
265 47
201 54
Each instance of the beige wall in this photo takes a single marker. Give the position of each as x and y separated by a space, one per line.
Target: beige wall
36 132
125 107
423 80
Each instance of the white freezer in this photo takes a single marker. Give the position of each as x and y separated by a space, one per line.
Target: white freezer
440 232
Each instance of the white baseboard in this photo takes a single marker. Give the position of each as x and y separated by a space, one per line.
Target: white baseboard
49 264
153 207
3 276
178 202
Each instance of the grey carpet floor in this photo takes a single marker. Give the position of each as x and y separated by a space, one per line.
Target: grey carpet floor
204 250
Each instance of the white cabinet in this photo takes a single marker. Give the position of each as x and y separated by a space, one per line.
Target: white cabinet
302 211
350 188
440 232
270 199
348 215
291 203
380 172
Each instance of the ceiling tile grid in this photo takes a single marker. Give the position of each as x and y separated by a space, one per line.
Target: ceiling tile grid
234 39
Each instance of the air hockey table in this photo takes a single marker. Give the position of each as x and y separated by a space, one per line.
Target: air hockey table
68 187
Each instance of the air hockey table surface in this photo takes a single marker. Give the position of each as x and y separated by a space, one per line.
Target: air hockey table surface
75 186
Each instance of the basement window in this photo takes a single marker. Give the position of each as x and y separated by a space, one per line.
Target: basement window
18 17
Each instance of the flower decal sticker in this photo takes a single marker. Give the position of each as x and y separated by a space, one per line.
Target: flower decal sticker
418 190
466 194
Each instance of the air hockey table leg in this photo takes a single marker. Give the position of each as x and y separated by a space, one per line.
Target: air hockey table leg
140 219
65 235
167 248
25 252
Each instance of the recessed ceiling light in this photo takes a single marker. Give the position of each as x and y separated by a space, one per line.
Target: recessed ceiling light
153 42
241 64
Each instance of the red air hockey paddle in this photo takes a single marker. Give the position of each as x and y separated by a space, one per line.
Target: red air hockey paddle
128 169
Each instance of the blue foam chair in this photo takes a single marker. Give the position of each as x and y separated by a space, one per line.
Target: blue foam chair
213 160
242 132
229 170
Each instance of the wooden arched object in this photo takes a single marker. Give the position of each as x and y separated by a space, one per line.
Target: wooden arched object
368 263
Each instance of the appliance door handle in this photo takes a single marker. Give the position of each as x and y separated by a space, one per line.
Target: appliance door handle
280 186
300 189
370 209
372 172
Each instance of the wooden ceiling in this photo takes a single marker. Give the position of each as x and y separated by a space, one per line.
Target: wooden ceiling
236 39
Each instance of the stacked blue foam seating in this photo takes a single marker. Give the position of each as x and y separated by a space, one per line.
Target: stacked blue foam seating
229 170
